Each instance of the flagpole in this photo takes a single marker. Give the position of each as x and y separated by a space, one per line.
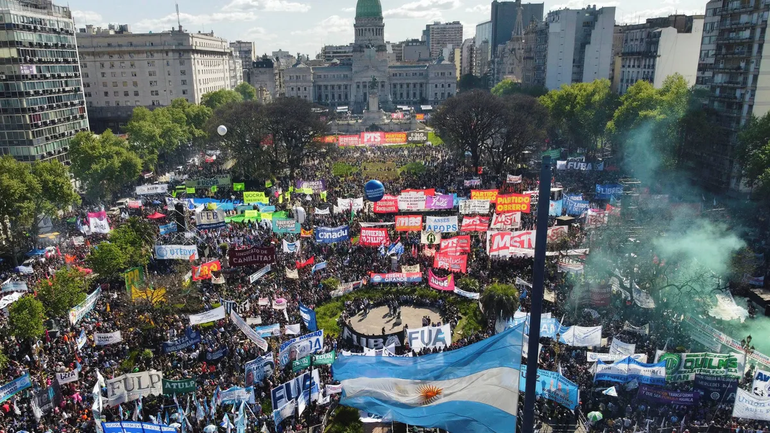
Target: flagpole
537 295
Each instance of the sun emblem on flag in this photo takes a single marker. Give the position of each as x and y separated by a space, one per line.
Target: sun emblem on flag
429 393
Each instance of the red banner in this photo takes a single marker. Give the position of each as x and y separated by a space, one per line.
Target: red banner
431 191
203 272
513 203
484 194
475 224
374 237
506 221
306 233
408 223
438 283
451 262
389 205
456 245
308 262
372 138
348 140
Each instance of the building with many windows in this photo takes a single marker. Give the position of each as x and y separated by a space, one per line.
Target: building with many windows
42 105
123 70
440 35
404 83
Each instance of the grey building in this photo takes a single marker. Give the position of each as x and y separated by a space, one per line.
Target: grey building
441 35
414 51
504 16
42 104
262 76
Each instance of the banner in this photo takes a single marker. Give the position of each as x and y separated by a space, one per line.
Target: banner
513 203
606 357
456 245
152 189
581 336
371 139
292 274
250 197
439 202
553 386
308 316
205 270
183 386
628 369
506 221
416 137
430 238
85 307
168 228
235 395
605 192
484 194
348 140
251 256
316 185
395 278
191 338
474 207
472 182
664 396
345 288
67 377
324 358
412 268
438 283
176 252
246 329
14 387
386 205
300 364
555 208
208 316
259 369
210 219
717 389
98 222
749 406
451 262
134 427
705 334
411 201
475 224
107 339
376 342
281 225
130 387
291 247
408 223
218 180
429 337
682 367
444 224
469 295
287 392
374 237
577 207
330 235
513 179
761 384
620 348
300 347
273 330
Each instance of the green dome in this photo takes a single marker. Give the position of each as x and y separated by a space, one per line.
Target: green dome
368 9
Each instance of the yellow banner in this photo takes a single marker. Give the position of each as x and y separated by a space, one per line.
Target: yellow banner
150 295
266 216
251 214
250 197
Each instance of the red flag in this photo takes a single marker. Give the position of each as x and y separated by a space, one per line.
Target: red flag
308 262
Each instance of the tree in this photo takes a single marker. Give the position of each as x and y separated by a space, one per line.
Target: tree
56 190
20 191
754 153
246 138
500 301
135 239
509 87
220 98
66 289
470 82
580 113
467 121
107 260
525 122
103 163
296 131
26 317
247 91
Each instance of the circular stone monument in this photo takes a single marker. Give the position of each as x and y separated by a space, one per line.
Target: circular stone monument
378 317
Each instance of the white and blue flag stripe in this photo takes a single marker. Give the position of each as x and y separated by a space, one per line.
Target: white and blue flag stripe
474 389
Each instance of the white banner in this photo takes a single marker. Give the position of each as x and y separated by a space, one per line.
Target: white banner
247 330
292 329
582 336
259 274
642 298
620 348
322 211
444 224
208 316
429 337
99 225
430 238
506 221
291 247
67 377
10 299
474 207
606 357
130 387
292 274
332 389
407 269
749 406
210 219
176 252
761 384
106 339
161 188
79 311
411 201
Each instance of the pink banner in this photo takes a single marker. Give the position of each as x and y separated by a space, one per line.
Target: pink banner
440 201
456 245
373 237
438 283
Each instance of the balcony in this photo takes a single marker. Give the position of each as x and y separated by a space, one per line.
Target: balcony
735 25
736 9
734 54
731 84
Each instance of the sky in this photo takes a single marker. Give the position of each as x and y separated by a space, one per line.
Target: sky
304 26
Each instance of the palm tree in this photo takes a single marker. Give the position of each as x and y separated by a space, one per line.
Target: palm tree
500 301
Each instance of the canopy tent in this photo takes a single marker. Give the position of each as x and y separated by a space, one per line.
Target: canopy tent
34 253
156 216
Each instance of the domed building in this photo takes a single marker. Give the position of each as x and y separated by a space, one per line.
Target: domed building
371 68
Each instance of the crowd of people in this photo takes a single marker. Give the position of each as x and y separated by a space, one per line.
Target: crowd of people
217 362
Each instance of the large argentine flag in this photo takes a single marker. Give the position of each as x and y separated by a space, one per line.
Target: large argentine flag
474 389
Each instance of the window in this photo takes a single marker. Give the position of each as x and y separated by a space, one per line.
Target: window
152 73
181 62
88 94
125 84
122 74
132 64
112 65
183 72
168 73
133 74
104 75
114 84
104 84
184 91
85 74
122 66
136 93
128 102
137 103
107 103
155 102
135 84
153 84
117 103
116 94
154 93
184 82
125 93
106 94
151 63
101 65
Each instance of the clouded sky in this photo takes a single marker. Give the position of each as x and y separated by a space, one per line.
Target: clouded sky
306 25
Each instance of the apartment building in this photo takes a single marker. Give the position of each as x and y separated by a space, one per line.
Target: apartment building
123 70
440 35
42 103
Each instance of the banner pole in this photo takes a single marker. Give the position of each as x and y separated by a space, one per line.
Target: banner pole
536 291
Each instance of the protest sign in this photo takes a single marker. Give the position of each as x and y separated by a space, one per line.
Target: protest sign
130 387
330 235
251 256
208 316
183 386
684 366
553 386
429 337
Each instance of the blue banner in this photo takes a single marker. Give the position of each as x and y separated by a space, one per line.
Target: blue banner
555 208
216 355
236 394
273 330
577 207
330 235
629 369
308 316
265 208
318 267
135 427
14 387
168 228
190 339
604 192
552 386
281 225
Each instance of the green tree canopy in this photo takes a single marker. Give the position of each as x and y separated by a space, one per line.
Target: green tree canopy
247 91
25 318
246 138
103 163
20 192
134 239
580 113
754 154
107 260
296 131
500 301
470 82
56 191
220 98
66 289
509 87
